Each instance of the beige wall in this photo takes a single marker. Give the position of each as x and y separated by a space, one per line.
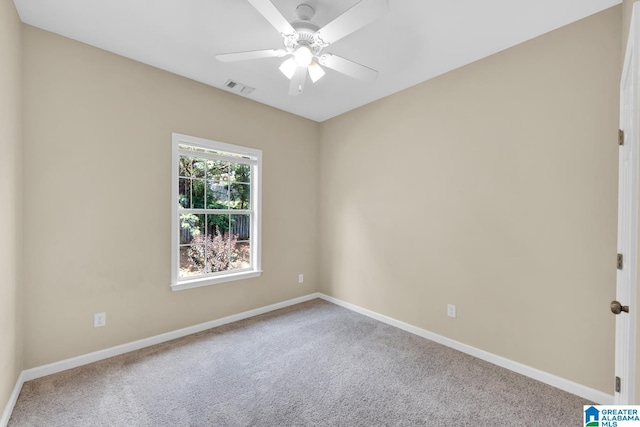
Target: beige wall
97 147
10 205
494 188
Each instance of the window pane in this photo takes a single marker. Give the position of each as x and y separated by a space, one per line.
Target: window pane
241 226
192 257
218 174
191 261
240 245
241 255
217 224
240 196
217 243
184 166
217 195
191 229
184 193
224 175
198 168
218 256
197 193
217 171
240 173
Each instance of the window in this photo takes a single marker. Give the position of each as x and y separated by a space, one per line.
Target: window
215 212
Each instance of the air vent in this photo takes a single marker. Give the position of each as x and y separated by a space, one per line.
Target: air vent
238 88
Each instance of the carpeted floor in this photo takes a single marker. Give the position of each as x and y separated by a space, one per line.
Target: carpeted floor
313 364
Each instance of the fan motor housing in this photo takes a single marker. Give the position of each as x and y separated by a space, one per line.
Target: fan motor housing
305 30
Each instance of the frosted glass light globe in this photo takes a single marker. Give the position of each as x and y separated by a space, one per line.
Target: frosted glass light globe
303 56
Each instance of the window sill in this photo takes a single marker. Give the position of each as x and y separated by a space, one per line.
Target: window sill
206 281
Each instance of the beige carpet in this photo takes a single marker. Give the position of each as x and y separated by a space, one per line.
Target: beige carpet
314 364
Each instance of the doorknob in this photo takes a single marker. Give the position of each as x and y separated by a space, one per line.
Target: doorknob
616 307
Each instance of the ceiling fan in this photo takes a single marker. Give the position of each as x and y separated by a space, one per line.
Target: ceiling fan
304 42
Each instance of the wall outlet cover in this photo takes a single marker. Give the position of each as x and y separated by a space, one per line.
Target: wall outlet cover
451 310
99 320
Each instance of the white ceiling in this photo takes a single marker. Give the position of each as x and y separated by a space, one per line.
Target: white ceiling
416 41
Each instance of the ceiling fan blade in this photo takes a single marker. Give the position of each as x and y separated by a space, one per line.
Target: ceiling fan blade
361 14
252 54
273 15
296 86
350 68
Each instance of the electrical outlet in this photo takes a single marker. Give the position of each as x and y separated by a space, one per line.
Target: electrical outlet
451 310
99 320
300 278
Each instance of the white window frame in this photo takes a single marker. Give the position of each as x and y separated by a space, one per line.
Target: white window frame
255 161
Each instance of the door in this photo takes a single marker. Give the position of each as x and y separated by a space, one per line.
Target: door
628 218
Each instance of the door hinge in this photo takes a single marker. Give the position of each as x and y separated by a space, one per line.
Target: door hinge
618 385
620 137
620 261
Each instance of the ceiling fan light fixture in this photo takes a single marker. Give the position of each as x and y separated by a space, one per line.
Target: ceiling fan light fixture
315 72
288 67
303 56
304 40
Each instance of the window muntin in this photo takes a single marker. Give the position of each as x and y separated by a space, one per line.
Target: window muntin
215 209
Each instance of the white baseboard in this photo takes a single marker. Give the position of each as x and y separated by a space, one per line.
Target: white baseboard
13 398
74 362
545 377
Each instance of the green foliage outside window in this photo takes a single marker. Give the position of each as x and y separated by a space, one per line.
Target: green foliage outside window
211 184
